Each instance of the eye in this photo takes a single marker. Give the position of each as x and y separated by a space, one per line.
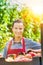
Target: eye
20 28
15 27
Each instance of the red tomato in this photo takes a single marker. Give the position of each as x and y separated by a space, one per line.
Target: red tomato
28 56
32 54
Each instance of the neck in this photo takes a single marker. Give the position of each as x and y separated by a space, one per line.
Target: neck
17 39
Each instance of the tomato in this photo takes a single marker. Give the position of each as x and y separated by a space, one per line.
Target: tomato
28 56
32 54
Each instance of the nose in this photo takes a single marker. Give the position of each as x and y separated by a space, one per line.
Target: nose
18 30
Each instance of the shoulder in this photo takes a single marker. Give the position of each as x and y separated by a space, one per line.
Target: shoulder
28 40
7 43
32 44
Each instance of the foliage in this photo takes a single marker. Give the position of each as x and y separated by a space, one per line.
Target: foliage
32 24
7 16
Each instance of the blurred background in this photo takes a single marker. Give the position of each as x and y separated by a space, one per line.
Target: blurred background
30 11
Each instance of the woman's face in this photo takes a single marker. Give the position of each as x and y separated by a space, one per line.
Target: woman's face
18 29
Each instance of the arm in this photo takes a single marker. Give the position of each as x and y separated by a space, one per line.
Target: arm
5 50
37 51
34 47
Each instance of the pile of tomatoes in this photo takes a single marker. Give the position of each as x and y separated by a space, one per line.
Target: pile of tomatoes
22 57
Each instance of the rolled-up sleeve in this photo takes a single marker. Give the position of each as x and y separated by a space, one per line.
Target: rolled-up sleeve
35 45
5 50
30 44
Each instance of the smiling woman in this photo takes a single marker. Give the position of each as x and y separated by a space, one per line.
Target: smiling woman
19 45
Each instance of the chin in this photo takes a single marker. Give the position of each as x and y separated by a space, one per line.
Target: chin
19 36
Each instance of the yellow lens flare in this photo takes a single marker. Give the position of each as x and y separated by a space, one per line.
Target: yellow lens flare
37 10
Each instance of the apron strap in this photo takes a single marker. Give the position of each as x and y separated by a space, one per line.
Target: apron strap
10 43
23 43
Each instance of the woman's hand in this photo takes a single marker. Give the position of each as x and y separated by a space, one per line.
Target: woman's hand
35 52
38 52
1 55
9 59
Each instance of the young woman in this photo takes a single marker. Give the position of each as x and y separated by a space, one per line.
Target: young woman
18 43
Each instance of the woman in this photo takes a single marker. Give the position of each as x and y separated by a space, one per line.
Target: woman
20 44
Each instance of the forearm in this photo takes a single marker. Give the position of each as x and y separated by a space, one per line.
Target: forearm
37 51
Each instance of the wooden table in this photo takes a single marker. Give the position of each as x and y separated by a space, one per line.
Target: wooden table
36 61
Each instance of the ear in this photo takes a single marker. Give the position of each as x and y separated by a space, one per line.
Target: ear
23 27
